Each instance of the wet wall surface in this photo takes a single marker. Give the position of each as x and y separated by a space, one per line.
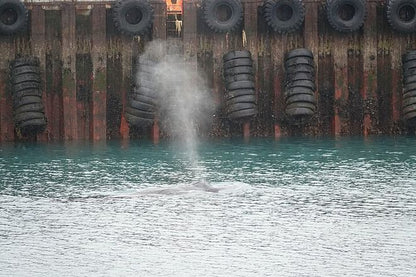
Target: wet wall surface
86 65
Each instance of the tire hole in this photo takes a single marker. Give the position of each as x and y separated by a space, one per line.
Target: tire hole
134 16
8 16
223 12
407 13
346 12
284 12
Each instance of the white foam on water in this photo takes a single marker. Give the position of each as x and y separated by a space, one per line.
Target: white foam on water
197 187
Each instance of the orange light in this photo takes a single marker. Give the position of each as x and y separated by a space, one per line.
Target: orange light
174 6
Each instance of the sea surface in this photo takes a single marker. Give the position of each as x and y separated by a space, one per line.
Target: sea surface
293 207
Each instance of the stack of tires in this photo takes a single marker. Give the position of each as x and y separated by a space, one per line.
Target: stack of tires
300 83
240 95
409 90
26 90
142 104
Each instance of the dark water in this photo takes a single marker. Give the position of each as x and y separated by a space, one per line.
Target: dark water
295 207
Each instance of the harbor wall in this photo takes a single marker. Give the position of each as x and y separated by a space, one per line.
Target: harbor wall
86 65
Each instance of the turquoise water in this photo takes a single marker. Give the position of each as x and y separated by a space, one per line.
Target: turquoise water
294 207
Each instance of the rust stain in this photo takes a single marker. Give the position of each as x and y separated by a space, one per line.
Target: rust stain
58 36
155 132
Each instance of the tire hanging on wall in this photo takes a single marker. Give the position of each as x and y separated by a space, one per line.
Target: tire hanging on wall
133 17
240 93
143 101
214 11
284 16
25 82
346 15
409 88
13 16
300 86
401 14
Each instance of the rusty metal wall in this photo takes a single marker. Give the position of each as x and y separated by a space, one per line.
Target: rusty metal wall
86 65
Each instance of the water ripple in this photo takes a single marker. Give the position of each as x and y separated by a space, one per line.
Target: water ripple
288 208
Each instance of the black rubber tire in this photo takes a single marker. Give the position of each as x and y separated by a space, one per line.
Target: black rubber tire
37 124
409 87
28 77
24 61
300 68
295 112
13 17
240 85
298 90
408 67
411 93
302 83
308 105
351 24
140 23
236 54
25 116
409 56
299 61
409 64
222 26
25 100
242 114
237 62
408 101
145 65
145 61
276 11
300 76
409 72
144 75
32 127
237 93
146 71
395 12
240 106
138 105
299 52
138 121
409 116
410 79
239 77
238 70
146 84
303 97
409 108
145 92
139 113
27 92
22 70
249 98
34 107
145 99
26 85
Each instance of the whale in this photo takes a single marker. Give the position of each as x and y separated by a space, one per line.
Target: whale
200 185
